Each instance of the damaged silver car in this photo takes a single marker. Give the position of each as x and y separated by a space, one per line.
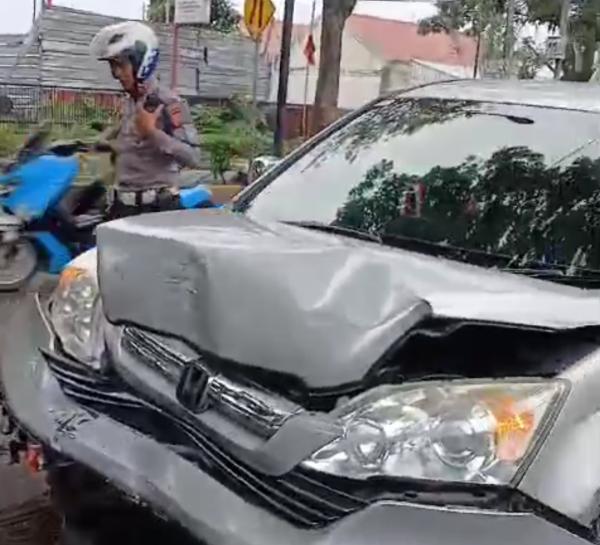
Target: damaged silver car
392 337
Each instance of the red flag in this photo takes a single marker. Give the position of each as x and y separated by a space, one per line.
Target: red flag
310 50
48 3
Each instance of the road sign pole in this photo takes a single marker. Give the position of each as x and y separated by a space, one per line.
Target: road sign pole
257 17
305 130
175 57
255 72
284 72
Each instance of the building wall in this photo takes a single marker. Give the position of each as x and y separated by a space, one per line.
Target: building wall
360 74
10 45
363 75
211 65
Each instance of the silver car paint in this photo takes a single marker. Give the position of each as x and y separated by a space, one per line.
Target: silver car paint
565 475
566 472
147 469
323 308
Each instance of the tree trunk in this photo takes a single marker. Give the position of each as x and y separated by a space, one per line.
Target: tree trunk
335 13
579 65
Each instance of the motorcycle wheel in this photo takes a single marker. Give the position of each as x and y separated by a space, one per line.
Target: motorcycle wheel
18 261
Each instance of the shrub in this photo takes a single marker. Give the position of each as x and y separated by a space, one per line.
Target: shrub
237 130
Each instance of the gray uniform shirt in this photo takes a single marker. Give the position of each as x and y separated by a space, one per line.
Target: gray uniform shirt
153 163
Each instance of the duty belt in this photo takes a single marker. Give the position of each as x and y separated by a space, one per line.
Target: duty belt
135 198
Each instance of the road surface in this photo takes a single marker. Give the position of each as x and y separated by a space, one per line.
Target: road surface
26 517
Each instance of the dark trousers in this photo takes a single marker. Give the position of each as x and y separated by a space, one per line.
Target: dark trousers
164 202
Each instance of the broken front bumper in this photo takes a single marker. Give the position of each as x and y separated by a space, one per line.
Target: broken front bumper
145 468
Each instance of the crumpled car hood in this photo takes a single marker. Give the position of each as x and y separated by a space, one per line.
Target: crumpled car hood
323 308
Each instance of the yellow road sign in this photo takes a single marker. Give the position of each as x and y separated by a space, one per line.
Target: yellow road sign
257 16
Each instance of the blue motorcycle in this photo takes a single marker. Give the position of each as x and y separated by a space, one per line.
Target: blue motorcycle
44 221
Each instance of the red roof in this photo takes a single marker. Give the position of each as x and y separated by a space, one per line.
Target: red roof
400 41
389 39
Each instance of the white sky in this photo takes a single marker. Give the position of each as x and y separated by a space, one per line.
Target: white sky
16 16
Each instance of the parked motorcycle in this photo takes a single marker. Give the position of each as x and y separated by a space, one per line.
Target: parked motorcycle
44 223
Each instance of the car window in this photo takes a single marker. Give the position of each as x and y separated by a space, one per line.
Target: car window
515 180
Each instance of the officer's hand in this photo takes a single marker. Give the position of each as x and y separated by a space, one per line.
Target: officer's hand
146 121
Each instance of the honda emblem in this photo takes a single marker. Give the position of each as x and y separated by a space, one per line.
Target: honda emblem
193 388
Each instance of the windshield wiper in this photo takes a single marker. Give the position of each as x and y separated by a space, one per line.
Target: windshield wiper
440 249
513 118
581 277
336 230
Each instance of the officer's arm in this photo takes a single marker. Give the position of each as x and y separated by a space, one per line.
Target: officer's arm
110 133
182 145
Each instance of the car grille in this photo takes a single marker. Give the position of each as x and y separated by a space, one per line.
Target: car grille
254 408
299 497
153 353
86 386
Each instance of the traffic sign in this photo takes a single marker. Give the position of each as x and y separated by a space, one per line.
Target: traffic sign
555 48
192 12
257 16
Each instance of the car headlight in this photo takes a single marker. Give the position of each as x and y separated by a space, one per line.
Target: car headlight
454 431
74 315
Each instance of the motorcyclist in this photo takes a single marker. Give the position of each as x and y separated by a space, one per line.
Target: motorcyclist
156 135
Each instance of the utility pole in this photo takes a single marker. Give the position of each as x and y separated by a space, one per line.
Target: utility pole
257 42
509 43
284 72
565 8
175 48
477 56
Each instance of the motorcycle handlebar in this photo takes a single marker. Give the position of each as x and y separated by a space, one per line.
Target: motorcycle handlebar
78 146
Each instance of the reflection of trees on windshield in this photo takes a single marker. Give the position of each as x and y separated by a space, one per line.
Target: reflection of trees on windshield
510 204
389 119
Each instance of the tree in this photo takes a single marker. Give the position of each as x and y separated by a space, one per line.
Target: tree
584 32
483 19
222 15
489 17
335 14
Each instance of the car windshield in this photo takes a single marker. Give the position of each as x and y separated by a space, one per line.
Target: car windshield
510 186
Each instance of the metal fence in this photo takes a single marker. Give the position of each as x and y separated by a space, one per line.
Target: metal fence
29 105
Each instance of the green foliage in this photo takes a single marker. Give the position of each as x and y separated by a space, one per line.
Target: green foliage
488 18
530 59
10 140
221 153
226 132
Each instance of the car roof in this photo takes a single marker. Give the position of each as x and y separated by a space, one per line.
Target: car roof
551 94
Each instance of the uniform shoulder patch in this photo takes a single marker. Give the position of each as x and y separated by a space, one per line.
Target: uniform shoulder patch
175 111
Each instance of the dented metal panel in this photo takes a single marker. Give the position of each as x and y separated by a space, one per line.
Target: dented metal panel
281 298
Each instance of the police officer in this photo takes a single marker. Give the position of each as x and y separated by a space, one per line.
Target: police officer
156 135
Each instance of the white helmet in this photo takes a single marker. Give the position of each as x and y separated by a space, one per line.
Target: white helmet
131 41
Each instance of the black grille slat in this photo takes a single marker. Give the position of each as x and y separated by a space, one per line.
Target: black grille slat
84 397
296 497
87 387
269 488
